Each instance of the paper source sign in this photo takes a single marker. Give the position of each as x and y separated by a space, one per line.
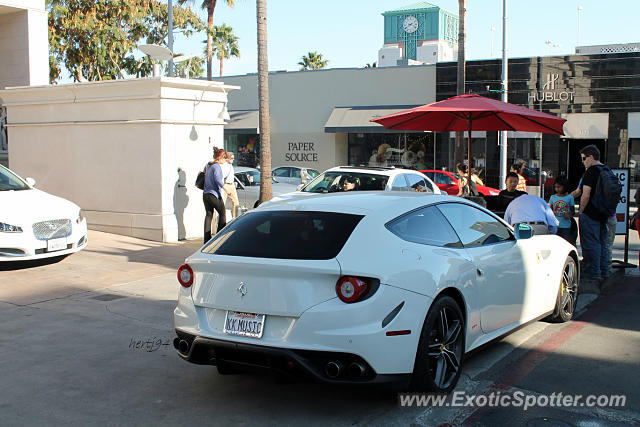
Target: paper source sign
622 210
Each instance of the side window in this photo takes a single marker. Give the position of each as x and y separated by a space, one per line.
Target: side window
474 227
399 183
443 178
295 173
282 172
418 183
425 226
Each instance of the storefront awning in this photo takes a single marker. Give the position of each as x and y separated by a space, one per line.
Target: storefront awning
634 125
357 119
586 125
243 122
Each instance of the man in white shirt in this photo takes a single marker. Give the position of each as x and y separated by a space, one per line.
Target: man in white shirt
532 210
229 185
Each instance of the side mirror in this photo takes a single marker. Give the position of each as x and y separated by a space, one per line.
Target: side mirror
523 231
31 182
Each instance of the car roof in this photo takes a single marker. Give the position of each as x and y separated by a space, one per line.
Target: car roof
380 170
244 169
385 203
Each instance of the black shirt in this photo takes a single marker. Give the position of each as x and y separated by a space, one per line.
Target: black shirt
505 197
590 178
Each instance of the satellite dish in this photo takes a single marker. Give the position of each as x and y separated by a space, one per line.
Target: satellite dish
156 52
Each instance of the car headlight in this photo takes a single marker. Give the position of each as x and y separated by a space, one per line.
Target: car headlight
8 228
80 216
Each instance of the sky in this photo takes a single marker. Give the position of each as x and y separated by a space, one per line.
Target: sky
349 33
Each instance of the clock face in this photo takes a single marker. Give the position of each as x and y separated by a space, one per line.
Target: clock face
410 24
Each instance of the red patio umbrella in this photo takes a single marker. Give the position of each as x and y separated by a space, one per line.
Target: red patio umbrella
472 112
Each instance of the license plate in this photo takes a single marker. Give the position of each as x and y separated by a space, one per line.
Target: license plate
56 244
244 324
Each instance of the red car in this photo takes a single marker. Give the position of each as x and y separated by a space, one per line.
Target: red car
448 182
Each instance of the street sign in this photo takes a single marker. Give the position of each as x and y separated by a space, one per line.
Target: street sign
622 211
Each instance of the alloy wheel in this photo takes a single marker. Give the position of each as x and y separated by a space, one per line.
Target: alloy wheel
445 347
569 289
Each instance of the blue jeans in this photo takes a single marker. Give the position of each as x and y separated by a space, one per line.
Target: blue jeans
593 240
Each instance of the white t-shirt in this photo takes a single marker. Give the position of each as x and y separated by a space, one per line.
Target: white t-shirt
227 173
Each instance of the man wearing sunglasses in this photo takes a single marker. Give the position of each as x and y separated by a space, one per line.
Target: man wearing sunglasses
593 223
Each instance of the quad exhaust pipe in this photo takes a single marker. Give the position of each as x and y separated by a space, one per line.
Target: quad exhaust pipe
181 345
333 369
356 370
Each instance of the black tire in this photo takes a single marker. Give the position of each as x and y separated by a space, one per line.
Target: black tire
567 298
443 332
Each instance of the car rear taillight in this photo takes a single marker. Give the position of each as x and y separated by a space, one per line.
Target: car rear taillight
185 275
350 288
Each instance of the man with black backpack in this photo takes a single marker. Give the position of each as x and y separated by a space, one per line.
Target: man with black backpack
600 196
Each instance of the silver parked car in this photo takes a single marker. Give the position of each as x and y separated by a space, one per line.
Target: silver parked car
247 181
294 174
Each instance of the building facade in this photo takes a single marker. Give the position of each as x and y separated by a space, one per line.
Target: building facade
598 94
24 52
320 119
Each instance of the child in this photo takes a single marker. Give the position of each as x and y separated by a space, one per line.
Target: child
562 205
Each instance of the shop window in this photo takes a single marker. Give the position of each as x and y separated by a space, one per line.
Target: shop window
246 149
406 150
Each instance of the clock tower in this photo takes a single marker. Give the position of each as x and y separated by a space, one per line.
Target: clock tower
421 33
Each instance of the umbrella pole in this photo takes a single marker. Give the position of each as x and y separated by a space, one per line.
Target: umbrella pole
469 154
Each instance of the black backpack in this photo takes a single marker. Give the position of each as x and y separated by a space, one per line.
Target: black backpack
607 194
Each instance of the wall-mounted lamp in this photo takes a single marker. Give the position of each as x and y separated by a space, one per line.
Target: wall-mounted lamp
224 114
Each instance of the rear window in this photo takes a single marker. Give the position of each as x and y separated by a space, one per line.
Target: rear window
285 235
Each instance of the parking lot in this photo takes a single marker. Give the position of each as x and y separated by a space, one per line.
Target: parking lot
87 340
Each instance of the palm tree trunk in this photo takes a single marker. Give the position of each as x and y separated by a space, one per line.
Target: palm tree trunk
263 98
210 41
462 7
221 59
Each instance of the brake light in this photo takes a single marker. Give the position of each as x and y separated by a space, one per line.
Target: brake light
185 275
350 288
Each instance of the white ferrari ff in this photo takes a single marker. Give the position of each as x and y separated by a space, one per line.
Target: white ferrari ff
35 224
367 287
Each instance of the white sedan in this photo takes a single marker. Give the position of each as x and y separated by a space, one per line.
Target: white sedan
367 287
35 224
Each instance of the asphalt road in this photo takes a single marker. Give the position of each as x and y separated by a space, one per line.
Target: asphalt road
87 341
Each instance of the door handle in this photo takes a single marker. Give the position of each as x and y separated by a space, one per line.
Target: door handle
479 271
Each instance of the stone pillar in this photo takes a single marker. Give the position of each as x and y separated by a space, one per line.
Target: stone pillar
126 151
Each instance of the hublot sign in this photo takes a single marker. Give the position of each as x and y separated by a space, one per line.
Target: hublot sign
549 92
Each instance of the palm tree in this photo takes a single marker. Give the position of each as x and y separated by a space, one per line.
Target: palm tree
210 6
312 61
191 68
263 100
225 44
460 89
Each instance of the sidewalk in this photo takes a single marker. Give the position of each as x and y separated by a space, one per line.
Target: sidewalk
108 260
596 354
